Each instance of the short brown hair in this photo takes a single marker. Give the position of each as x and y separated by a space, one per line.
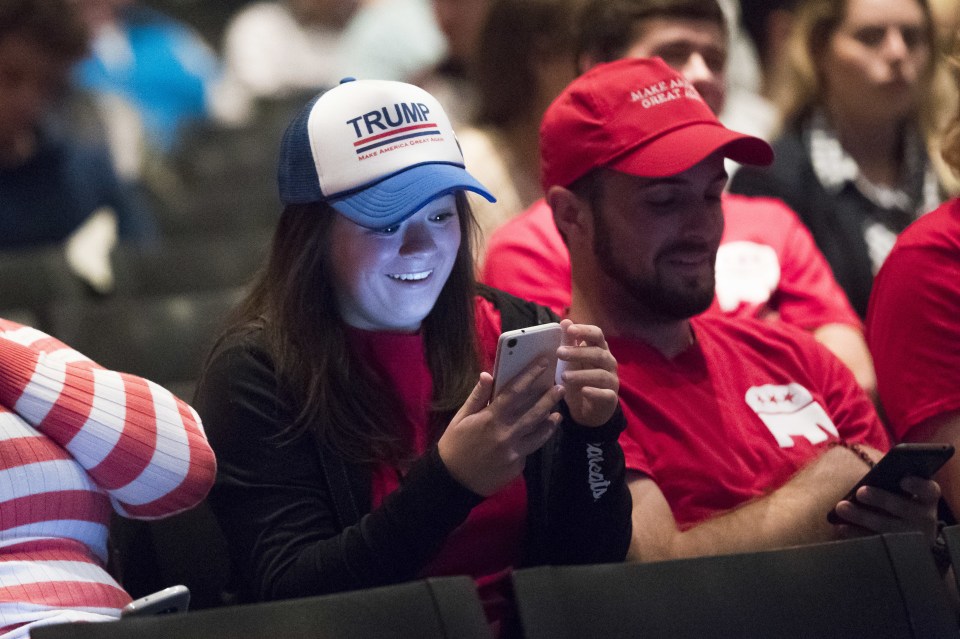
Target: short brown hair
55 24
607 28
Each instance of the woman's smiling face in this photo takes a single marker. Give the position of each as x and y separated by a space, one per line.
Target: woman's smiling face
389 279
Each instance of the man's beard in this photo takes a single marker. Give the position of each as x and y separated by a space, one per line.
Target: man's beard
661 300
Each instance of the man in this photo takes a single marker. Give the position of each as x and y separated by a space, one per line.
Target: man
768 265
742 435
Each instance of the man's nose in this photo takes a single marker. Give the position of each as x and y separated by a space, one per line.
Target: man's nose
696 69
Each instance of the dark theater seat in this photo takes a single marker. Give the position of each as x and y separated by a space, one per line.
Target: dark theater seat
441 608
873 587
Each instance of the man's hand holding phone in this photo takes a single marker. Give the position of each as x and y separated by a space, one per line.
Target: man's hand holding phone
897 495
588 372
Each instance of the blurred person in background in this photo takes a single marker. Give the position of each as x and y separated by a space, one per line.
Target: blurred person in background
913 327
863 101
274 50
450 81
55 184
523 60
157 63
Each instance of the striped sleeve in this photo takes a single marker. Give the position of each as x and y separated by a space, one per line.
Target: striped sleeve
139 443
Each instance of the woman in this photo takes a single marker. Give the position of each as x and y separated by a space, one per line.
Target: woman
862 108
78 442
346 403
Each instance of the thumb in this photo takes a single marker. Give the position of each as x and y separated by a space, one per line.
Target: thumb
479 397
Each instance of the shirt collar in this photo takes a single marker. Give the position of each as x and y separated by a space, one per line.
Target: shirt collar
918 188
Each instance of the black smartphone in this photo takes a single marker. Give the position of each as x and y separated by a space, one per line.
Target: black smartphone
166 601
903 460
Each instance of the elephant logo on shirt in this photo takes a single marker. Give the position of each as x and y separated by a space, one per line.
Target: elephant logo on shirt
791 411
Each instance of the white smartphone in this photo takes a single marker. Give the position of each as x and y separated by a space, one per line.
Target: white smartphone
516 350
168 600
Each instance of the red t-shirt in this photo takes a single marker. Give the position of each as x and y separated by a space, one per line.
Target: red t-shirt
488 544
913 321
768 264
736 414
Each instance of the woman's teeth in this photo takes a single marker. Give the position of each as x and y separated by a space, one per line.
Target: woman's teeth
410 277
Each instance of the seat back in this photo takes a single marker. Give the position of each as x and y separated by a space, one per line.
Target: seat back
881 586
32 281
440 608
187 548
188 264
163 338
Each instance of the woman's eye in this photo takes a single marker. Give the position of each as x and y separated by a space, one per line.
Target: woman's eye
389 230
442 217
871 36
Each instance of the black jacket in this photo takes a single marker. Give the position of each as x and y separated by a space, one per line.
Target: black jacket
298 518
836 222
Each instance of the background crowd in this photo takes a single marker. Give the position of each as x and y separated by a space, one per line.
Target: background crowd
139 142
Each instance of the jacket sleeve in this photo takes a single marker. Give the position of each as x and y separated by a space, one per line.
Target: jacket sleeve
277 512
586 507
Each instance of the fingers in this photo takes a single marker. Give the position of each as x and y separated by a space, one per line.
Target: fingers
479 397
539 435
882 511
582 334
523 390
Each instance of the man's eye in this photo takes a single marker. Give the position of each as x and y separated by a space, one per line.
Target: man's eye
660 198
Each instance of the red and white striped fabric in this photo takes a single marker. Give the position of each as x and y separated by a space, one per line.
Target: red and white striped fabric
77 441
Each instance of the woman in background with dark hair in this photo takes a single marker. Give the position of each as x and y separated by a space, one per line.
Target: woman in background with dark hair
357 440
522 62
863 102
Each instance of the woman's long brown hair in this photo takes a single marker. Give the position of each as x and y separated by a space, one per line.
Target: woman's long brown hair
341 399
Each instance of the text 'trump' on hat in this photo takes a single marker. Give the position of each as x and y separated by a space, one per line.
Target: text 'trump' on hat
375 150
636 116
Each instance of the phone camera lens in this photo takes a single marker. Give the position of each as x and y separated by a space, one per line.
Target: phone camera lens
512 342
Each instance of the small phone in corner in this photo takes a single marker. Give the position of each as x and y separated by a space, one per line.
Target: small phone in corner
517 349
162 602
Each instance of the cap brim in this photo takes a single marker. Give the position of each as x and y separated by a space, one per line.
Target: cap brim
679 149
394 199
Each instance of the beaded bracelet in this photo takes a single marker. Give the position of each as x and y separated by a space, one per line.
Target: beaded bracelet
856 450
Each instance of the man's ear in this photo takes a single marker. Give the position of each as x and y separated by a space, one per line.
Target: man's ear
571 214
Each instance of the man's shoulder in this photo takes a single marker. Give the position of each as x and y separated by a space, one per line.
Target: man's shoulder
753 209
531 225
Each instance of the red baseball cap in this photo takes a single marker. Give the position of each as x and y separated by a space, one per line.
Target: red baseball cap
637 116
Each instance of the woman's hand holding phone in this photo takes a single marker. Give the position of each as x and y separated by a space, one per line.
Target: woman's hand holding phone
486 444
588 371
